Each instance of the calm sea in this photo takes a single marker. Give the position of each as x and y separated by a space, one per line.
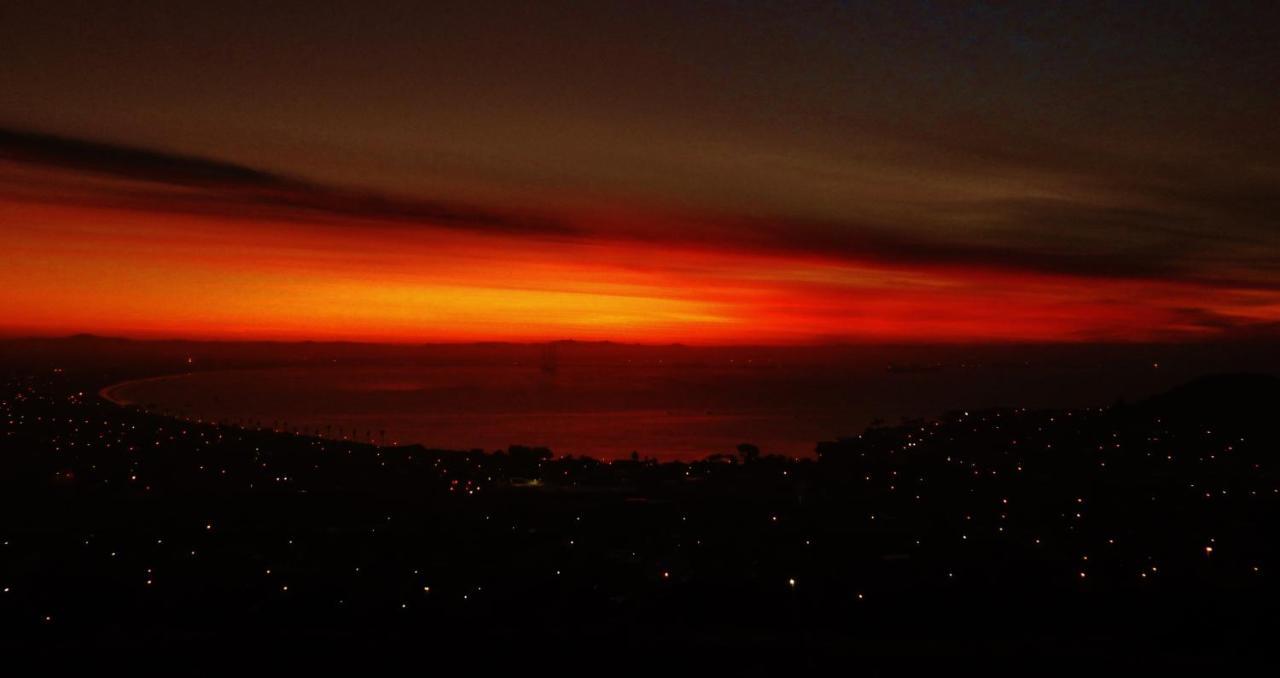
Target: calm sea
610 410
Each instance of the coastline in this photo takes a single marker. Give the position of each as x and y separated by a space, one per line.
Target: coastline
108 393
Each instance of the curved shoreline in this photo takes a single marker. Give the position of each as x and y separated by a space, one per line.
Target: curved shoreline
107 393
682 432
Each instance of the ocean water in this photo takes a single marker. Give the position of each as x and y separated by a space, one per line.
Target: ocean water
611 410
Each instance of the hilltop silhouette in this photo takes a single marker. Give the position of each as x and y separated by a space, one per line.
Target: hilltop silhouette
1222 397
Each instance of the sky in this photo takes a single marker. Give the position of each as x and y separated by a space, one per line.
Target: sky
694 172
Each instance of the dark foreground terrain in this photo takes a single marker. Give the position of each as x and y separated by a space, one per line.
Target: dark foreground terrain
1135 535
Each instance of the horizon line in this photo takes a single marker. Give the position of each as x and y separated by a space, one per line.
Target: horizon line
1202 341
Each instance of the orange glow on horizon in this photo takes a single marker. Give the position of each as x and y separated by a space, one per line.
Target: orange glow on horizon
150 274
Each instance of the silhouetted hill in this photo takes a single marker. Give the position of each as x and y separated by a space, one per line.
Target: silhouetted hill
1222 397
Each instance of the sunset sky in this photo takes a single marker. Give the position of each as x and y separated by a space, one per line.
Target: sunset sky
698 172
